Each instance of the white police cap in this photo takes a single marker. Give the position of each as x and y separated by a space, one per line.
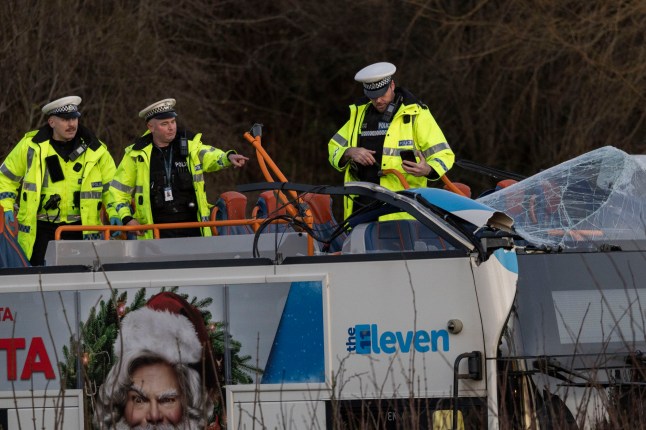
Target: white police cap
162 109
66 107
376 78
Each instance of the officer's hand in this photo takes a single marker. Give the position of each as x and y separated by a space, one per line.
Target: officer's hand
421 168
8 217
362 156
115 221
135 232
238 160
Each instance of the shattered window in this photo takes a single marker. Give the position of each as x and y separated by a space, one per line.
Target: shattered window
596 198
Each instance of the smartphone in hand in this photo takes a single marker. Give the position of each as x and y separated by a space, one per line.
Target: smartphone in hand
408 155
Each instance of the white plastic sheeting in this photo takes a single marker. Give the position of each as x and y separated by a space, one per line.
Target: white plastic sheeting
596 198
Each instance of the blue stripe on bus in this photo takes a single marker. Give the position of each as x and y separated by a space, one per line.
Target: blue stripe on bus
297 354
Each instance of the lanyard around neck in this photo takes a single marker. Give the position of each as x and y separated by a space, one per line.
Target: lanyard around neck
168 163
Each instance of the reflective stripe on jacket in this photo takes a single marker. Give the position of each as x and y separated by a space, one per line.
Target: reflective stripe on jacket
25 165
412 127
131 183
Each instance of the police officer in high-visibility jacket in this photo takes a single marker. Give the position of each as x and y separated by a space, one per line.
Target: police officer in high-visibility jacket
161 175
65 173
387 122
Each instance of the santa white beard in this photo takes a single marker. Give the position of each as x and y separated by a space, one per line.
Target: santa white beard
183 425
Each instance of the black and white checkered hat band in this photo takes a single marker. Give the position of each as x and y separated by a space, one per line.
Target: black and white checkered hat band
63 109
158 110
371 86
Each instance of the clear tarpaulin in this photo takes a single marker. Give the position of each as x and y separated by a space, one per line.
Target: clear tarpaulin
596 198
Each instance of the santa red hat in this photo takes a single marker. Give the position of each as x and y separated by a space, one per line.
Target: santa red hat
171 328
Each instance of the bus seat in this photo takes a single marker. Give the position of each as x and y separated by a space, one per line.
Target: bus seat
464 188
11 254
393 236
231 205
266 207
499 186
324 224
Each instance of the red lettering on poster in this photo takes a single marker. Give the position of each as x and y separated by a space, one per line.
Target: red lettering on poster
5 314
11 345
37 360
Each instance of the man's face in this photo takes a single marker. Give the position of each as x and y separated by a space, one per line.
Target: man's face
154 398
382 102
163 130
63 129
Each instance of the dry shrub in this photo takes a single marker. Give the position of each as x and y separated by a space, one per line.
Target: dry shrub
516 85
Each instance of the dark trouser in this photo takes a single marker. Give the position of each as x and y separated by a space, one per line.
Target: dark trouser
180 232
46 231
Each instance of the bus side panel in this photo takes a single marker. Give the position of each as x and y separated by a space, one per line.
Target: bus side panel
388 327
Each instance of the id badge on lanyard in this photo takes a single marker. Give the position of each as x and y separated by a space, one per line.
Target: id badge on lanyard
168 194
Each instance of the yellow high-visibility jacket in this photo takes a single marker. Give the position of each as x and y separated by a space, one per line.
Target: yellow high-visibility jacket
412 128
132 180
25 166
